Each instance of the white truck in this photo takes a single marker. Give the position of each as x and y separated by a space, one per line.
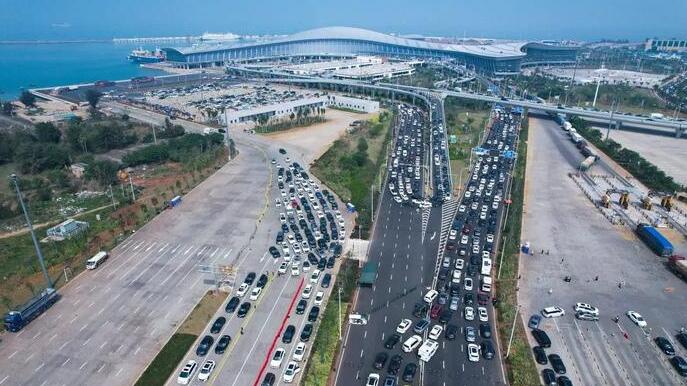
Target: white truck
566 126
486 267
427 350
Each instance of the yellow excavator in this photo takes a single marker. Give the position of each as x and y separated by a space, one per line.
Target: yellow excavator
623 201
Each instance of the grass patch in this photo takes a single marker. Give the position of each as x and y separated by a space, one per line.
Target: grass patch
178 345
326 343
519 364
353 163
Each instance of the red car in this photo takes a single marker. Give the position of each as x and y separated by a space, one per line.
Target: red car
435 311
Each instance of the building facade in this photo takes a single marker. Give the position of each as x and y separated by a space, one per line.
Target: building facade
666 45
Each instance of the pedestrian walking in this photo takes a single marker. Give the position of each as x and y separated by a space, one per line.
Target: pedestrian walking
563 258
620 284
596 278
241 330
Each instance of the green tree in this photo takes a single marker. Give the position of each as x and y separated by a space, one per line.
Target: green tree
7 108
104 172
93 97
27 99
47 132
362 145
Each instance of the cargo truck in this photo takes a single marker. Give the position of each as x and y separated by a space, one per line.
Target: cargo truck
368 275
678 265
587 163
16 320
654 240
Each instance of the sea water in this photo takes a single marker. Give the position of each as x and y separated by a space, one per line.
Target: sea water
35 65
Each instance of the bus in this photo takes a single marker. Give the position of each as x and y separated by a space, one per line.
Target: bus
96 260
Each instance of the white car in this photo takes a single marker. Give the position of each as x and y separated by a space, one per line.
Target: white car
372 380
307 291
206 370
552 312
243 288
456 276
483 315
319 297
295 271
636 318
291 370
460 263
187 372
586 308
435 332
277 202
277 358
490 238
403 326
452 234
296 249
283 267
464 240
473 352
468 284
299 352
469 313
315 276
412 343
306 266
255 293
305 247
461 208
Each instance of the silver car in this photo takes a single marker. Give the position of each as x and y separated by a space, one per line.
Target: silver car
470 334
455 301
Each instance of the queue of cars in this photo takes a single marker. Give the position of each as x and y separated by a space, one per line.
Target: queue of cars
441 180
406 162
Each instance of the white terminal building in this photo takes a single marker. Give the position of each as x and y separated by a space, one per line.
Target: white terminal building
250 117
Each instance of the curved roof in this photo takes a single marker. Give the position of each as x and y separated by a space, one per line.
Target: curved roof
497 50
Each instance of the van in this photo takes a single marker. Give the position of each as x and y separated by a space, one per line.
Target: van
357 319
96 260
486 284
430 296
486 267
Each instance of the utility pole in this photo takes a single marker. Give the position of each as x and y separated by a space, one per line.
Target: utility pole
154 136
114 204
614 105
340 312
512 330
41 260
131 185
372 203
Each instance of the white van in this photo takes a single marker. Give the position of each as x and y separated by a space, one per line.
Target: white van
430 296
486 267
357 319
427 350
486 284
96 260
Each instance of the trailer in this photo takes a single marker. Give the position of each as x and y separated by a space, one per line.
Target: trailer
16 320
587 163
654 240
575 137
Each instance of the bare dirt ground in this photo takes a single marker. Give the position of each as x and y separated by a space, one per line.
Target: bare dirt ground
313 141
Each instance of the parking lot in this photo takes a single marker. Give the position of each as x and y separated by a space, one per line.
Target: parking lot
280 292
606 266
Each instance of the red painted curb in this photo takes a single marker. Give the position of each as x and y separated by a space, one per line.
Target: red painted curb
281 328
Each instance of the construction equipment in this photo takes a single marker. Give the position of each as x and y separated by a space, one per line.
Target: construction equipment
624 200
646 203
666 202
606 200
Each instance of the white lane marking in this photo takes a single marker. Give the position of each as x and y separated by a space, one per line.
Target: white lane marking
4 379
63 344
118 372
83 365
39 367
13 354
29 357
103 345
86 342
65 362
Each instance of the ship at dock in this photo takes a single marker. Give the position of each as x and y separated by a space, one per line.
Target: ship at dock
144 56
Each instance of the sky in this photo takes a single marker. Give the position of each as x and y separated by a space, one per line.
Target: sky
634 20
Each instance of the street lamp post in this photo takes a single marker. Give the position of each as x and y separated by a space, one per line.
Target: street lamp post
14 179
512 330
340 313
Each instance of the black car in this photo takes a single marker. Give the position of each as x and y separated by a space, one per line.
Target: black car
469 299
394 364
380 360
540 355
541 337
564 381
682 338
549 377
282 151
313 314
268 380
262 281
306 332
331 261
420 310
326 280
300 308
409 372
243 310
218 324
483 299
204 345
445 316
485 330
455 289
312 258
487 350
289 332
274 252
665 345
391 341
451 332
680 365
233 303
280 236
322 263
557 363
222 344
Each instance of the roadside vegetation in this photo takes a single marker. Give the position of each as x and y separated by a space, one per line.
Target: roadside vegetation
178 345
646 172
53 192
289 123
353 163
465 122
520 363
326 344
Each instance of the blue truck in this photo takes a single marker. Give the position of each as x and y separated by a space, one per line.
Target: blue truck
654 240
16 320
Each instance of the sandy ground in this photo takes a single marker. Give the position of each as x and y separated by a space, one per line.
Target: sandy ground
669 154
313 141
52 111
